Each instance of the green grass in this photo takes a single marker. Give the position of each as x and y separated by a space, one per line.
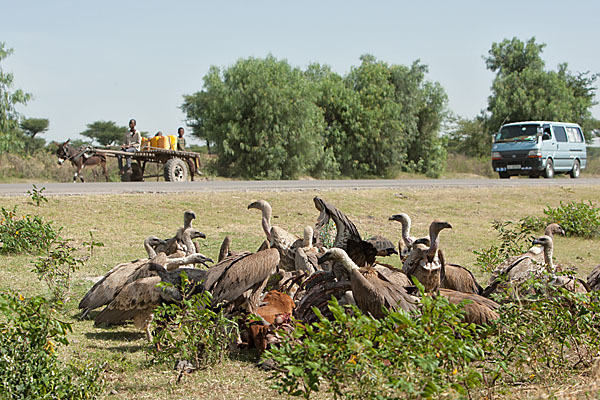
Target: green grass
122 222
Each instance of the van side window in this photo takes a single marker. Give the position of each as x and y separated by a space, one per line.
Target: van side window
574 135
560 134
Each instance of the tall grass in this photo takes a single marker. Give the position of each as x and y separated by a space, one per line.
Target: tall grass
462 165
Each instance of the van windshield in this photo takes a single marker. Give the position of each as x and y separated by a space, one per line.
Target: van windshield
517 133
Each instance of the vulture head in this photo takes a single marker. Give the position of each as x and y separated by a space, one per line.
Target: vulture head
554 229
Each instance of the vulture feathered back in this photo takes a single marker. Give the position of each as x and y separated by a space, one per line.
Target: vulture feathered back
478 309
459 278
593 279
372 291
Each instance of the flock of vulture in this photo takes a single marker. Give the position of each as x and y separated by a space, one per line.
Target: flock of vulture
289 276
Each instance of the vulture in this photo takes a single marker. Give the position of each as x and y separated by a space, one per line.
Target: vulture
570 283
139 295
424 262
106 288
347 238
277 237
593 279
371 290
527 265
478 309
534 253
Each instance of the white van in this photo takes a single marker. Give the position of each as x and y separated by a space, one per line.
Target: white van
537 148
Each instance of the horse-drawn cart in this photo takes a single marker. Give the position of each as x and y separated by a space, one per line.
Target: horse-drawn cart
177 165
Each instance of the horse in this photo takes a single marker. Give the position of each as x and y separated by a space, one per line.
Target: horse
80 158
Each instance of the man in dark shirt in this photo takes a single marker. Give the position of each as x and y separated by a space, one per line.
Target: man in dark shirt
180 140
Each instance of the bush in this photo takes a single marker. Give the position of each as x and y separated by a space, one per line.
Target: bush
515 239
577 219
544 335
57 268
29 368
191 330
28 234
400 356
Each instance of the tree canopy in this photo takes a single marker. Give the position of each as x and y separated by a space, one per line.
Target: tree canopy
106 133
33 126
9 99
523 90
270 120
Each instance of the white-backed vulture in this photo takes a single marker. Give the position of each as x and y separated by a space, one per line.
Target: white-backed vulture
372 291
457 277
278 237
478 309
424 262
104 291
139 296
534 253
593 279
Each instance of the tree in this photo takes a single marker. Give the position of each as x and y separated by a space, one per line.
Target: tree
470 137
33 126
9 117
261 116
106 133
523 90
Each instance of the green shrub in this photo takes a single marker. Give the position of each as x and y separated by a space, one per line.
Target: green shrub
27 234
577 219
400 356
515 238
29 369
543 336
37 195
57 268
191 330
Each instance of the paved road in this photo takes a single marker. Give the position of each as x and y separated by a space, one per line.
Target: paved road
10 189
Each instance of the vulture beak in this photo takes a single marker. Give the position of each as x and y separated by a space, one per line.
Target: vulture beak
324 258
253 205
395 217
202 235
202 259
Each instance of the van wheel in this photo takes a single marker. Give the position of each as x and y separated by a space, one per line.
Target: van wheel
576 170
504 175
549 171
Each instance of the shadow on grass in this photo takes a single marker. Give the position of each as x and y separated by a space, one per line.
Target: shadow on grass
108 335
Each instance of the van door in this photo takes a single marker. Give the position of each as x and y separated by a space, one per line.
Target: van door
562 158
548 144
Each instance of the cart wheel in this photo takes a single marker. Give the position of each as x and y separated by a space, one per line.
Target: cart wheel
175 170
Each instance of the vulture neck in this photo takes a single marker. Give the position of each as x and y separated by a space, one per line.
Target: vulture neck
266 220
224 250
149 249
406 225
434 238
308 237
187 241
548 251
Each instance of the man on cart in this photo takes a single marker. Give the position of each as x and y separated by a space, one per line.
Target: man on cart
131 143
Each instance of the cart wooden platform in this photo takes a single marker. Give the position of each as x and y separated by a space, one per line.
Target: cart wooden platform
177 165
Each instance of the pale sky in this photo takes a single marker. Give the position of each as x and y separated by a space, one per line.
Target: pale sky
111 60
